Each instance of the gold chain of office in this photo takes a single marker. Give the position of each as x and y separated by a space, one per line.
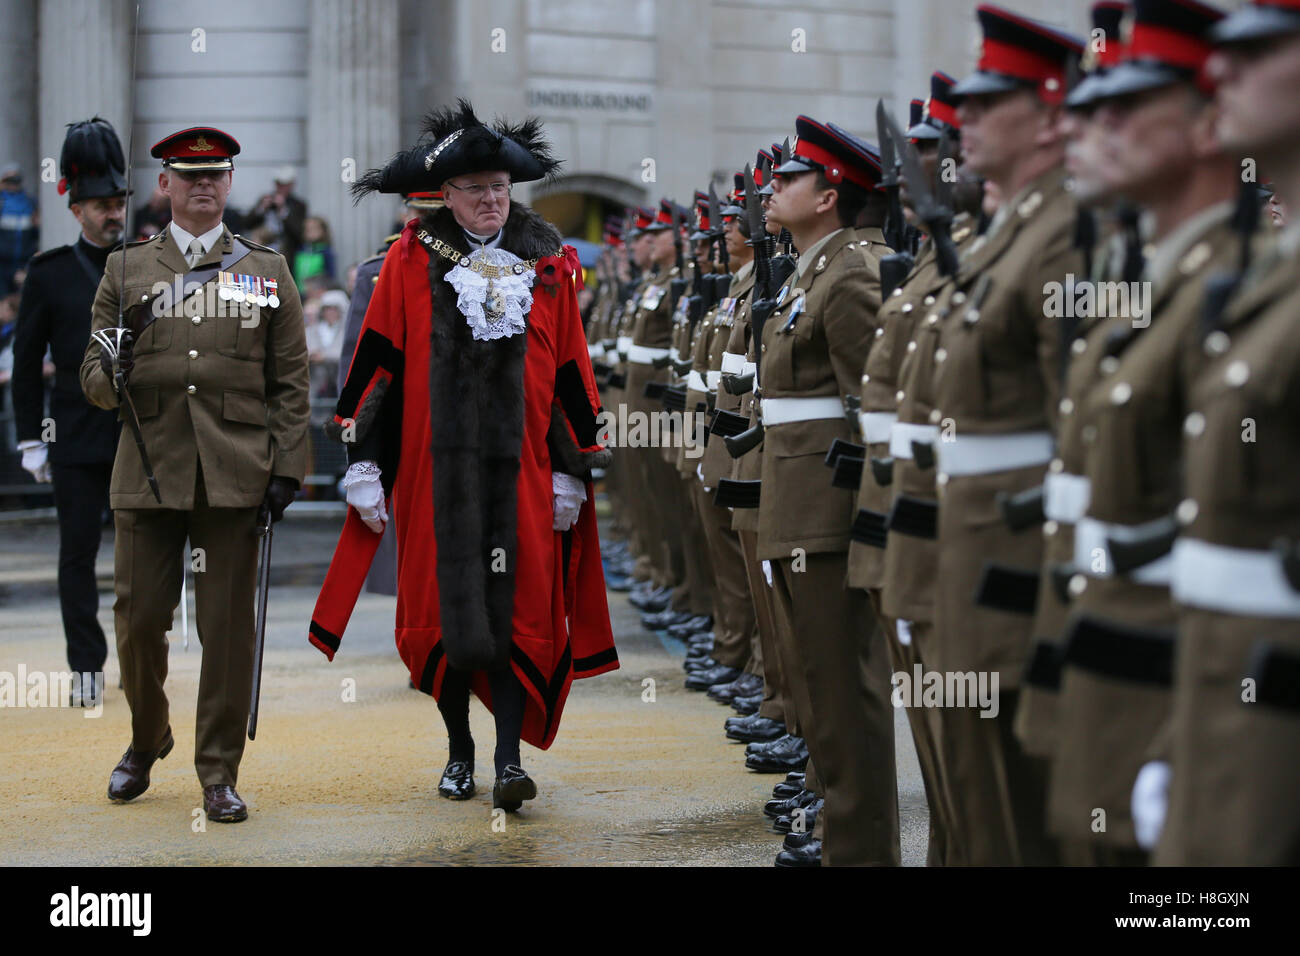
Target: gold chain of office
485 269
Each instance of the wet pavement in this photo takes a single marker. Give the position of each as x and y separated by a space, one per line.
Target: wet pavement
346 764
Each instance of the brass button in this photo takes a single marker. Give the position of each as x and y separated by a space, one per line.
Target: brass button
1121 393
1049 528
1237 374
929 300
196 320
1194 425
936 416
866 379
880 331
1056 466
1078 584
1187 511
194 353
1066 406
1108 365
911 346
931 319
1079 346
907 307
896 292
192 389
958 298
939 355
1216 343
941 479
898 396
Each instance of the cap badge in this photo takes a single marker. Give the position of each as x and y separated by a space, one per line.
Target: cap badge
432 157
201 145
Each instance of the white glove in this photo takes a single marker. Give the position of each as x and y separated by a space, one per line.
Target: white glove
1150 801
569 493
366 494
767 572
36 459
904 629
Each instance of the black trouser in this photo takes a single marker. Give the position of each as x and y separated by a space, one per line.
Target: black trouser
81 495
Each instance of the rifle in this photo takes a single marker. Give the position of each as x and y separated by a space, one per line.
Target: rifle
895 228
762 306
936 216
678 285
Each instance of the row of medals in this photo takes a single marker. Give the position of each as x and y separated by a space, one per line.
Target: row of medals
253 289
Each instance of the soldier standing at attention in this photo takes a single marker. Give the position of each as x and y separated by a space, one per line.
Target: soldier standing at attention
814 346
222 403
996 385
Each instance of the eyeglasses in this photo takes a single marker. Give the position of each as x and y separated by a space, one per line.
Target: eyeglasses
476 191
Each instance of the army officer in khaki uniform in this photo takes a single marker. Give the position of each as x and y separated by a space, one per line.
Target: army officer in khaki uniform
219 387
813 349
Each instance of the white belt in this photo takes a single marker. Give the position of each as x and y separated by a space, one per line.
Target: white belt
674 354
1092 552
748 368
876 427
1232 580
732 362
622 343
644 355
695 382
779 411
902 434
1066 497
711 379
985 454
612 357
594 352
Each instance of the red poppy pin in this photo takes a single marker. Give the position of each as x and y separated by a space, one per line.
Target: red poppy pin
552 270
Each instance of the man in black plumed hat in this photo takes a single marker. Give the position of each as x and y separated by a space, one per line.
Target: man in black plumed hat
471 408
73 445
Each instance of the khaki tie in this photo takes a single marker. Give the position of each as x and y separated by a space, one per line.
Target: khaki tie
195 253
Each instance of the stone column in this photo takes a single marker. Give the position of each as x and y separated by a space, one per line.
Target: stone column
352 118
18 88
84 62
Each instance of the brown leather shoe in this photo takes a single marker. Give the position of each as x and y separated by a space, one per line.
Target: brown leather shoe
222 804
130 777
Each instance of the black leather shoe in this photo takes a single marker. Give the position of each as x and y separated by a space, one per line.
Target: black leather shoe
512 789
753 729
785 824
784 791
697 652
793 841
130 777
810 854
745 706
652 601
778 745
703 680
222 804
746 685
783 808
780 756
457 781
697 664
696 624
703 637
664 619
618 583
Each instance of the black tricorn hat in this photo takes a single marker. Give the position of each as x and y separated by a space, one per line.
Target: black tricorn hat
92 163
455 142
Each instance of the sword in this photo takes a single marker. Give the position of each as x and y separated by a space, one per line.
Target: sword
259 640
111 339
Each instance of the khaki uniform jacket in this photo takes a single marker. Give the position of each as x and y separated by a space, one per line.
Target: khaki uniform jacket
814 345
1128 418
730 327
999 374
879 387
212 387
1236 780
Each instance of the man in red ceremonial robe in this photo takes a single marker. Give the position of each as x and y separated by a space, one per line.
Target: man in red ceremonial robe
470 407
